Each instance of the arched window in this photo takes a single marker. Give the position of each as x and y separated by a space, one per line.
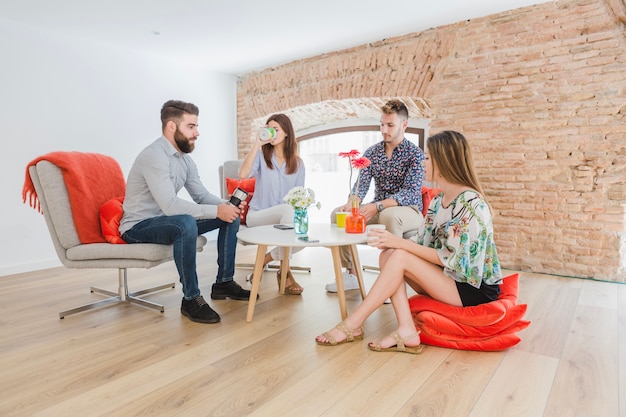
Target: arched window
328 174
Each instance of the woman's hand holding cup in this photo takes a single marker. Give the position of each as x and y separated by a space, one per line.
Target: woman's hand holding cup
374 231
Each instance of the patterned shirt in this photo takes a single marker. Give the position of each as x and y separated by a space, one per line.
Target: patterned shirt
399 177
462 234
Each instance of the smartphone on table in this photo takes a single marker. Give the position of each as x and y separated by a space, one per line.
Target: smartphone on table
308 239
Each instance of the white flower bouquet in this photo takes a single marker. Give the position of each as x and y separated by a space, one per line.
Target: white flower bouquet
301 198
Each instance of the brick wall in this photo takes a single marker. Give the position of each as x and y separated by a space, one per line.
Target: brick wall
540 94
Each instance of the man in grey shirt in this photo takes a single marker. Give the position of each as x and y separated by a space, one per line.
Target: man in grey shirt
153 213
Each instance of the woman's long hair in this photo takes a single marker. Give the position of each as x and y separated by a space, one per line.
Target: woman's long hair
452 156
290 146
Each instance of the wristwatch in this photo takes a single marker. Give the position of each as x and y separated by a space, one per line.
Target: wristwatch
379 206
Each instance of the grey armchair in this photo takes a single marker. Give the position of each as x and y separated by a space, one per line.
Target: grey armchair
52 192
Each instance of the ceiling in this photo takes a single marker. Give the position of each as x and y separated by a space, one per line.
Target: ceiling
239 36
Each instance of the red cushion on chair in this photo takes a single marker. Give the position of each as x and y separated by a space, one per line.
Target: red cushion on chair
247 185
110 215
427 195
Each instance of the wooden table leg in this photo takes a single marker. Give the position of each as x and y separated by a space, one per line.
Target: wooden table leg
257 275
341 294
284 268
357 268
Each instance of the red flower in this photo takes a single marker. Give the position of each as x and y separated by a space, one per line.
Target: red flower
350 155
360 163
355 162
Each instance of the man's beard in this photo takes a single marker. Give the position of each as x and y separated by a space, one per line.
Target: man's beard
183 142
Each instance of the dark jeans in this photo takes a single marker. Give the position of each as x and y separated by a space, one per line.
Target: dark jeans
182 231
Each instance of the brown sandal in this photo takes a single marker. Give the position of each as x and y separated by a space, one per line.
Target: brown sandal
343 328
291 289
399 346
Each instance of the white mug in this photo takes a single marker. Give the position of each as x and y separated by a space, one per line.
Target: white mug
372 239
267 133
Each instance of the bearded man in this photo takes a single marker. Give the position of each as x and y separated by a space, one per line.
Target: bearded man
153 212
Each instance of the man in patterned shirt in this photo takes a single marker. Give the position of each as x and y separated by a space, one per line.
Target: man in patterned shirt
396 167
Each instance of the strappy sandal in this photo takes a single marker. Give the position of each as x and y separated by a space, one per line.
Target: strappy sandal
343 328
292 289
399 346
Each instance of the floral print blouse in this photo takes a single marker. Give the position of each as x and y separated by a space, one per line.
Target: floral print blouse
462 234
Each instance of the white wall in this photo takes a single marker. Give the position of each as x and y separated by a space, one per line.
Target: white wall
60 94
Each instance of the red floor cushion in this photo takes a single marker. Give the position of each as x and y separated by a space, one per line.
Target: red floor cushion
442 324
490 344
489 326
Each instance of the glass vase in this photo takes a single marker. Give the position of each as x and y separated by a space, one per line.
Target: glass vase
301 221
355 221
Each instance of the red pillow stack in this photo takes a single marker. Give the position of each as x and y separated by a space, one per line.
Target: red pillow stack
247 185
486 327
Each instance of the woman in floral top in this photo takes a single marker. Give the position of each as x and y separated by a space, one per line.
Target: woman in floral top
453 260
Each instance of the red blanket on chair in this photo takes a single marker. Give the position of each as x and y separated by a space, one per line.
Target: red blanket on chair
91 180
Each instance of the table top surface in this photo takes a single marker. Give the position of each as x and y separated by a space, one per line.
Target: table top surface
325 234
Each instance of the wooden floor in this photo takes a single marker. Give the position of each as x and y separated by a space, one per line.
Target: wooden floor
130 361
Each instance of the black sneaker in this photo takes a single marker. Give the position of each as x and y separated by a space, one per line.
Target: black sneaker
198 310
230 289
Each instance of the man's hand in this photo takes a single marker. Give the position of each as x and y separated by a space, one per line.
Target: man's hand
346 207
228 213
368 210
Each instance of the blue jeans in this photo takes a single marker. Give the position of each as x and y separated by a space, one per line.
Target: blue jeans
182 231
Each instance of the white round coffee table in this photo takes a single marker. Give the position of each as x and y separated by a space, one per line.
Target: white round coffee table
320 234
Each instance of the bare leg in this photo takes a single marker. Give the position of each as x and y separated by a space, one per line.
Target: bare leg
386 284
396 266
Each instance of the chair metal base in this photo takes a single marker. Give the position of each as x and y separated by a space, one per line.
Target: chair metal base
275 267
370 268
122 296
